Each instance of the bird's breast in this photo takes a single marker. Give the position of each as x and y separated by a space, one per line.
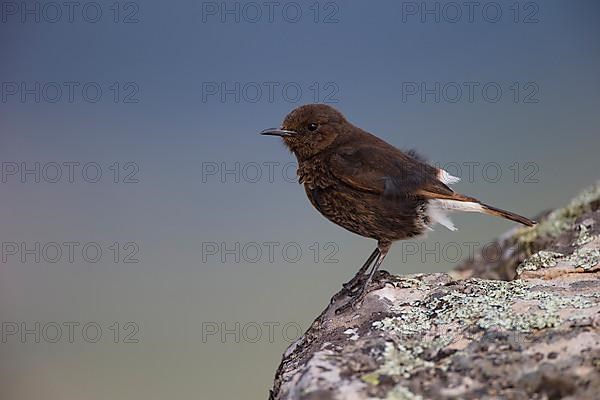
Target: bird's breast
315 175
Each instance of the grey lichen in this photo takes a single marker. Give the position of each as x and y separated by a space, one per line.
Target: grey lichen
584 235
584 258
489 304
485 303
402 360
413 322
541 259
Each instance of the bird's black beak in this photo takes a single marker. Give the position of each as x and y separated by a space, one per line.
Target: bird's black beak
277 132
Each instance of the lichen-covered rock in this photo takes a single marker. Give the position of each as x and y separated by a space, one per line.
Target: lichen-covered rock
561 230
433 336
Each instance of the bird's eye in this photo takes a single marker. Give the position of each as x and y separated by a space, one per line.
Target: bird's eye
312 127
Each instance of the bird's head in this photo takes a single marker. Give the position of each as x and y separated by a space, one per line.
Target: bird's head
310 129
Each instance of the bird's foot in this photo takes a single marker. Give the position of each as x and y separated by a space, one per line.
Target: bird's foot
356 295
353 292
350 304
351 287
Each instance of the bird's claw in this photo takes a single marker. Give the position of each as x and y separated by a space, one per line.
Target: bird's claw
352 293
356 297
352 303
349 286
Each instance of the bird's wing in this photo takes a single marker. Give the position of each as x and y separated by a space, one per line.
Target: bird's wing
392 174
388 172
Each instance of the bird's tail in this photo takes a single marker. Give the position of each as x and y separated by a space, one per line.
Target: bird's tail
458 202
491 210
449 200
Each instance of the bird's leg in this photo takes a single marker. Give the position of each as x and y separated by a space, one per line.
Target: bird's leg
383 250
354 281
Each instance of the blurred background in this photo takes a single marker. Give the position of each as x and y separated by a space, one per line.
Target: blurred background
154 246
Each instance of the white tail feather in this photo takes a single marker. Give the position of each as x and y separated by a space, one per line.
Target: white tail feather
446 178
438 210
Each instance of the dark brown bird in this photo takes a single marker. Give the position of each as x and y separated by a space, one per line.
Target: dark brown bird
368 186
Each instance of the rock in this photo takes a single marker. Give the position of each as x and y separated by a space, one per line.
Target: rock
529 330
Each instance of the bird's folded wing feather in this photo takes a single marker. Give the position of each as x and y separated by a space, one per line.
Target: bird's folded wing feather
389 173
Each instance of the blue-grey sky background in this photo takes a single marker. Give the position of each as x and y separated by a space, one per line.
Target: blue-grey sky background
175 132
